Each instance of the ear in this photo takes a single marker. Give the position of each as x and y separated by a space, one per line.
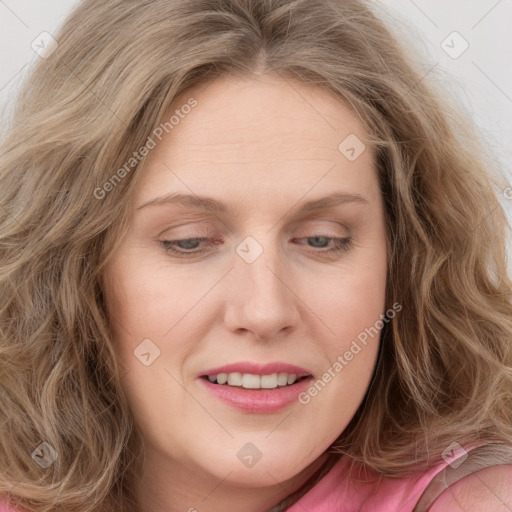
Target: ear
487 490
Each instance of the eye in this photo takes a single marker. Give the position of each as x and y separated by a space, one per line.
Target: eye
185 246
191 246
339 244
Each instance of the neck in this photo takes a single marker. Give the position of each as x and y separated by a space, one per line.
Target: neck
188 490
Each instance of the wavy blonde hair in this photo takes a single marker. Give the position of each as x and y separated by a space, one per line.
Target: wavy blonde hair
444 371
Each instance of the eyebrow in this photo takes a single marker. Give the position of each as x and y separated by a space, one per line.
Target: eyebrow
214 205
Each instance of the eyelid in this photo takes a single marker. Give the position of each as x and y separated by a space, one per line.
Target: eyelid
209 229
338 224
294 226
325 218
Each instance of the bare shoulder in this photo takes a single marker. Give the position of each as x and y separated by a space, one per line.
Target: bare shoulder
487 490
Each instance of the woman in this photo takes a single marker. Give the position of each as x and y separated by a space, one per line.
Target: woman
250 261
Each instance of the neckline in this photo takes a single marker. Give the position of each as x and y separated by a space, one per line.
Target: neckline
319 474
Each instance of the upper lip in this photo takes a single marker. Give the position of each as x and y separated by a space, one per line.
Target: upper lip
257 369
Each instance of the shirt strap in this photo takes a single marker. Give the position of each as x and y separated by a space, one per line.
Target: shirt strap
478 458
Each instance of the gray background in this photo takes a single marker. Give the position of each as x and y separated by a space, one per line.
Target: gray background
480 79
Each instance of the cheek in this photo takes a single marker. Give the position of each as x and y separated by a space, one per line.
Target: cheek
351 306
350 303
149 299
351 310
158 303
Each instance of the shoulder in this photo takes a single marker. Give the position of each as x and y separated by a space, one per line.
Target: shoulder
487 490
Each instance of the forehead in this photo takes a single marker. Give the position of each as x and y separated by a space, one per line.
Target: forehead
266 133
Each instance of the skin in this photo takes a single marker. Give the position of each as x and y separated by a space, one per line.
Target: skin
262 146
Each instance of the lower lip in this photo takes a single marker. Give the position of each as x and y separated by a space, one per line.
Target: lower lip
257 401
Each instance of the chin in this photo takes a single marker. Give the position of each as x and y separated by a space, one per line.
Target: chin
267 475
274 466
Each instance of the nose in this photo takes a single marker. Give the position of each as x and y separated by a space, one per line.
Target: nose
261 297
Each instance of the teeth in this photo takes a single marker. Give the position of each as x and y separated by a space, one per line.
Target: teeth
269 381
250 381
235 379
282 379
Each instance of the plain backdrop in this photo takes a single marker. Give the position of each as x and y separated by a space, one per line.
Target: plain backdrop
465 43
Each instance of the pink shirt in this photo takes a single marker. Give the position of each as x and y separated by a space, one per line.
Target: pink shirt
335 492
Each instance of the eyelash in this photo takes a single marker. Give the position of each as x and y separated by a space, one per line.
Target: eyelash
341 245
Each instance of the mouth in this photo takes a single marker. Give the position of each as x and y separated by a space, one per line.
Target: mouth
251 393
256 388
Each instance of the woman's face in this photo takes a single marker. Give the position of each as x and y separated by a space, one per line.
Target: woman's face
269 285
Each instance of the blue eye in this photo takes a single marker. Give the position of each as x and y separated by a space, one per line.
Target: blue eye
170 246
188 246
340 244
